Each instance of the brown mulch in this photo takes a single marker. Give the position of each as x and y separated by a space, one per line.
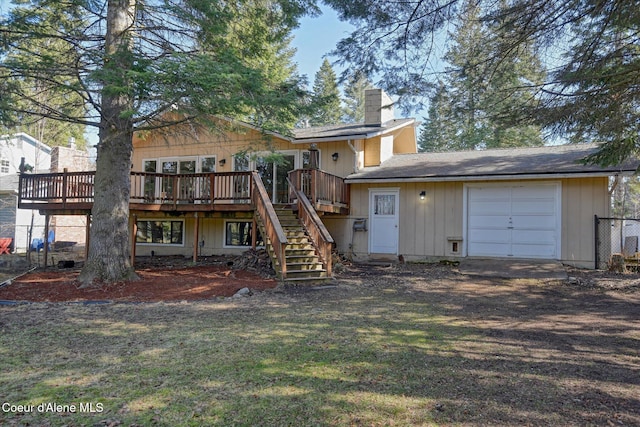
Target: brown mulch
160 280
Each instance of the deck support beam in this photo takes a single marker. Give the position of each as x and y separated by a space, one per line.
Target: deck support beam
46 240
87 236
134 234
196 237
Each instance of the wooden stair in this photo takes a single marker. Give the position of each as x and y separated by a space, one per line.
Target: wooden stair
302 259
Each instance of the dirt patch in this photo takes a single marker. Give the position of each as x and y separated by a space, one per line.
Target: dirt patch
161 279
392 344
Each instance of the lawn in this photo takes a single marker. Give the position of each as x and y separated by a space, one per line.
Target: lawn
400 346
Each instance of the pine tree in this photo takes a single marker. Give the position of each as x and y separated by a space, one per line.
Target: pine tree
354 98
591 92
146 66
438 131
325 101
488 103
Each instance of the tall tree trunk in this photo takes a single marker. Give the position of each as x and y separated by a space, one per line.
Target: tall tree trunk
109 249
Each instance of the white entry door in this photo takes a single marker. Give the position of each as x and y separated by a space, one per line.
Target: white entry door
383 221
520 221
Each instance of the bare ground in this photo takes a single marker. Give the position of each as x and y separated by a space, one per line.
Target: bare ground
523 352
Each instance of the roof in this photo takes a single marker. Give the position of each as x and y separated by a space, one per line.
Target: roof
498 164
344 131
29 140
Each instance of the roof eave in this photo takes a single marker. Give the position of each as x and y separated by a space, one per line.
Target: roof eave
360 135
505 177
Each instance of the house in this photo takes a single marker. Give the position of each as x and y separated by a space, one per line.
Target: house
20 225
361 188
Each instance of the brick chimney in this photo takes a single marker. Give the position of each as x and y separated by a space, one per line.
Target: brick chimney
378 107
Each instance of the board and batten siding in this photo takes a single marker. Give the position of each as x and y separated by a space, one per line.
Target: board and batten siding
211 231
428 228
581 200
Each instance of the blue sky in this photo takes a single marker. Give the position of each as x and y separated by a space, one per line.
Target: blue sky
315 38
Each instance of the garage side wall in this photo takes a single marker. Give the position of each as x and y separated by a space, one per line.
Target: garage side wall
581 200
429 228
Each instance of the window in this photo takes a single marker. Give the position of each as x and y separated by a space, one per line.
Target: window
160 232
207 164
238 233
150 181
4 166
384 204
240 162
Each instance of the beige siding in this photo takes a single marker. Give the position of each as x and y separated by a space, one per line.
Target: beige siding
581 200
405 141
225 146
427 228
211 230
372 152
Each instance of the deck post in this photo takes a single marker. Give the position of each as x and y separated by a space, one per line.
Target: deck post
134 234
46 240
196 230
87 235
254 232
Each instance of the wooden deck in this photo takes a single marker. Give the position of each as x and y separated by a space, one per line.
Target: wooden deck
71 193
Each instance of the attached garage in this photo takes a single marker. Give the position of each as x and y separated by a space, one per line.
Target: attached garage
534 202
519 221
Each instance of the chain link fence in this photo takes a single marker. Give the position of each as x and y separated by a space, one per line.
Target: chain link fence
63 238
615 236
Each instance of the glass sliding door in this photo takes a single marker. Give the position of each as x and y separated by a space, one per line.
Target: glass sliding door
274 176
281 190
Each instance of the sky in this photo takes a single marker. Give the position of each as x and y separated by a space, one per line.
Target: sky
315 38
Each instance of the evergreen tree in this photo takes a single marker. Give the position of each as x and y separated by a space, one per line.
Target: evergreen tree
354 98
591 93
488 103
141 66
325 101
438 131
43 93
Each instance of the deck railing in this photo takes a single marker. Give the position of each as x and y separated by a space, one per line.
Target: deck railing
320 186
273 229
62 188
69 188
208 188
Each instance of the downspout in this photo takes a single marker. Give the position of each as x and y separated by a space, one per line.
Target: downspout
355 156
355 169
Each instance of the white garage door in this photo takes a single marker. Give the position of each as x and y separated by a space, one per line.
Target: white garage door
514 221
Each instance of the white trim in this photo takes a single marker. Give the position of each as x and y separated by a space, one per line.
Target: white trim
465 209
361 135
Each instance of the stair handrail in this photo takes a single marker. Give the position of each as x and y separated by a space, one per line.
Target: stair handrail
318 233
273 228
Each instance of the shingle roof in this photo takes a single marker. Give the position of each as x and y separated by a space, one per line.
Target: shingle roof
490 164
346 130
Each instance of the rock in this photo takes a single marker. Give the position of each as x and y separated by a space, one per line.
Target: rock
244 292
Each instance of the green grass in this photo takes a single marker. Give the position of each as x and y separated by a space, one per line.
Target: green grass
376 357
214 364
